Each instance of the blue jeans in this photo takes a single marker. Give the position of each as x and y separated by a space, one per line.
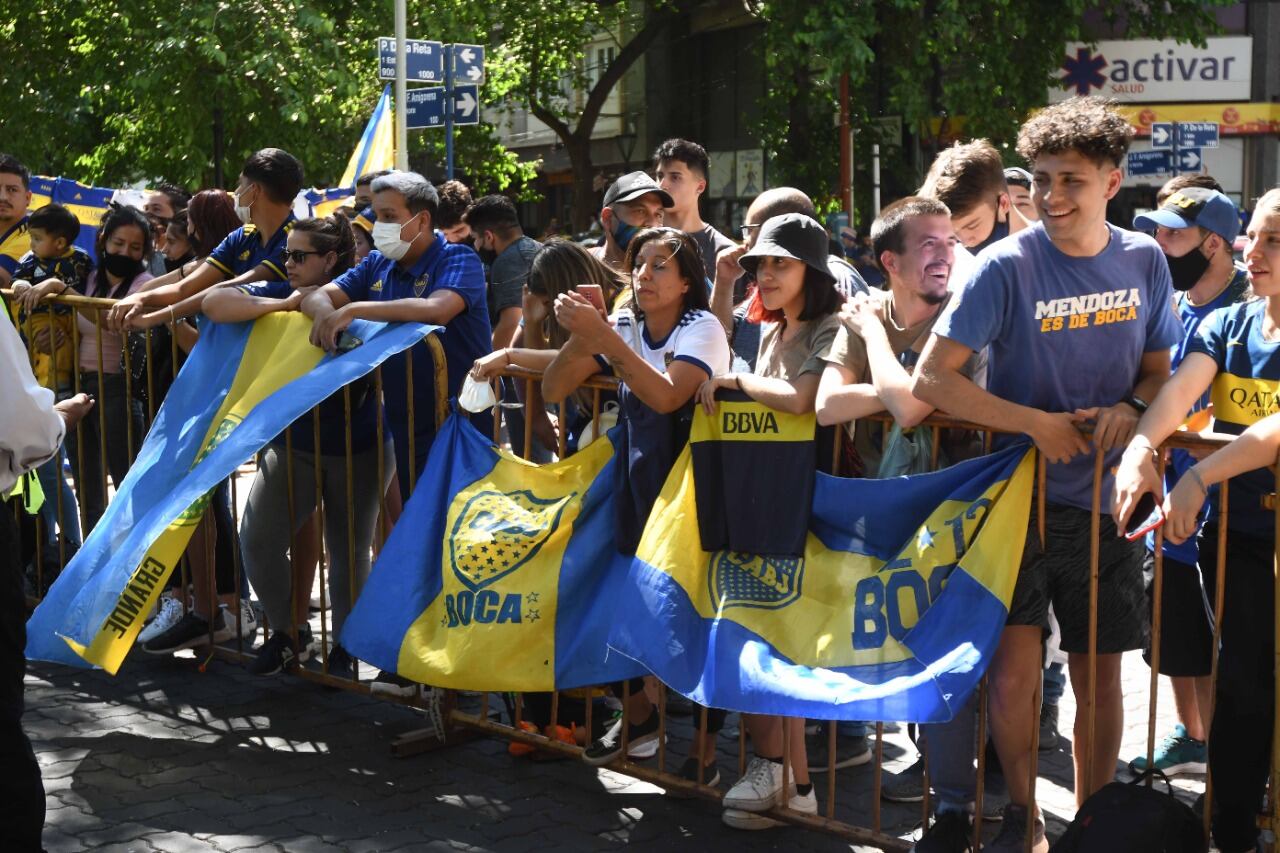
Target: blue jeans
52 480
1055 683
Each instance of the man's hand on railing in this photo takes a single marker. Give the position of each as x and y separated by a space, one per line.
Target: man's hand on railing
1136 475
72 409
326 330
1057 437
1113 426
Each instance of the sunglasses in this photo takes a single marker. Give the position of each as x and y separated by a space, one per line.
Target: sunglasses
297 255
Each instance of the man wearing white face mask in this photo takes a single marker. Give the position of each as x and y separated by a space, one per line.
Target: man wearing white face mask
269 181
412 275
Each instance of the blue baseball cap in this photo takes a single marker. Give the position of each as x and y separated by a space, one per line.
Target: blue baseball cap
1209 209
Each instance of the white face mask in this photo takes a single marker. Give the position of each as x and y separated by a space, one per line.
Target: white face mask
387 239
245 214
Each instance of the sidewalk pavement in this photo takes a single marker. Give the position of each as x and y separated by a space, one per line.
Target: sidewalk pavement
163 757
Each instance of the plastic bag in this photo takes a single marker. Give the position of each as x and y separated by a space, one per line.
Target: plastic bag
608 420
476 396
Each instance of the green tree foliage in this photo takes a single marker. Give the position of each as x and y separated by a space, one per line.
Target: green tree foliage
113 91
990 63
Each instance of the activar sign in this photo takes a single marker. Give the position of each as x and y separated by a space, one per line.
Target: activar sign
1146 70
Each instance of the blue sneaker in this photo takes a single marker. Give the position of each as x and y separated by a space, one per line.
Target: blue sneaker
1177 753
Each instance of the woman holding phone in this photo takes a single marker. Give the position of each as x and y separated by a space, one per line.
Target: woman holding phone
1236 357
662 343
559 267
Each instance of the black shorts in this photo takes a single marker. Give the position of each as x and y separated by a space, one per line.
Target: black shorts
1059 575
1186 626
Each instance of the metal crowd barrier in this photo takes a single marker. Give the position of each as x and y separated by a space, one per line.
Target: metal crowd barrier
456 722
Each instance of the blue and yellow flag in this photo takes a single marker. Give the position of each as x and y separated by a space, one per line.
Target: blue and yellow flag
893 612
325 202
500 575
377 147
241 387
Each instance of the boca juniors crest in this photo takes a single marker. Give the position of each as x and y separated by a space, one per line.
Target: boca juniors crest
752 580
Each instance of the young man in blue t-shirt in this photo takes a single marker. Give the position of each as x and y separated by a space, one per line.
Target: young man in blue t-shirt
1076 313
413 275
269 181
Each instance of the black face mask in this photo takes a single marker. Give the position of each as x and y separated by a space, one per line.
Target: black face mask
171 265
1188 269
121 266
998 232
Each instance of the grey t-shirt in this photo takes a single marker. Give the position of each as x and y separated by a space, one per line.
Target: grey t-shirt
711 243
508 276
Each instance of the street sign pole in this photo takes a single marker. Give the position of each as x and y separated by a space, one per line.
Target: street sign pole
1177 163
448 113
402 103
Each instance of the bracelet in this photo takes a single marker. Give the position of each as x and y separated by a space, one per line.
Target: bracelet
1155 454
1195 475
737 378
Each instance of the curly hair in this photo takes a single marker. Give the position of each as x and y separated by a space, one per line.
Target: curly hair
1090 126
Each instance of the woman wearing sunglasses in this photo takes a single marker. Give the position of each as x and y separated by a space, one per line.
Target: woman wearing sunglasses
318 250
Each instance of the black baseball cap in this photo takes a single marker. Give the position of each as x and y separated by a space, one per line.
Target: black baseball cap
631 186
792 235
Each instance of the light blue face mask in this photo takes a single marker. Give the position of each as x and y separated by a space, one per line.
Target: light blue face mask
622 232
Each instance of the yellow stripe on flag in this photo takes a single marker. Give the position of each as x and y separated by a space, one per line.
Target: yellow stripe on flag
277 352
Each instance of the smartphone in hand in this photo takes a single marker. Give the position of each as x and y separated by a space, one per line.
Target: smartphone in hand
1147 516
594 294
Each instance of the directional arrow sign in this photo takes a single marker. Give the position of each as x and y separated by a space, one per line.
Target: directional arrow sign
1162 135
424 60
426 107
1150 162
1197 134
468 63
1189 160
466 105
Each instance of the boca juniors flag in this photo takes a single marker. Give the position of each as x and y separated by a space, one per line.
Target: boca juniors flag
500 575
893 611
242 386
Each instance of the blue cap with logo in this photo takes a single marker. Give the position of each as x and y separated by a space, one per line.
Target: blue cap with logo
1209 209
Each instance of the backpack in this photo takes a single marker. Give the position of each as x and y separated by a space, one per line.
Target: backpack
1129 817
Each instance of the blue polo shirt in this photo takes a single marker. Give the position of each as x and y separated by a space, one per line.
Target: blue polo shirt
333 411
242 250
468 336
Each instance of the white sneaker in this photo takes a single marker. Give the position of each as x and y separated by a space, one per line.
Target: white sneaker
739 819
759 789
170 611
248 623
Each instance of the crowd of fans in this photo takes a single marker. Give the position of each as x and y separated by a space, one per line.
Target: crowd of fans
1001 296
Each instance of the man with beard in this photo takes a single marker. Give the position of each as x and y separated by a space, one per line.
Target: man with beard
1195 227
15 197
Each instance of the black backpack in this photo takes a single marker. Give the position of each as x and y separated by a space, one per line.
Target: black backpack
1129 817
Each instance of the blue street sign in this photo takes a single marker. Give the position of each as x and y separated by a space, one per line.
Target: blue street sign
426 107
424 60
1197 134
1150 162
468 63
1162 135
1190 160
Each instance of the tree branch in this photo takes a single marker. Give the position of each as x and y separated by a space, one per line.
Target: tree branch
657 21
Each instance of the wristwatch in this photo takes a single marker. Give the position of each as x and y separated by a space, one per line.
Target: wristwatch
1137 402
